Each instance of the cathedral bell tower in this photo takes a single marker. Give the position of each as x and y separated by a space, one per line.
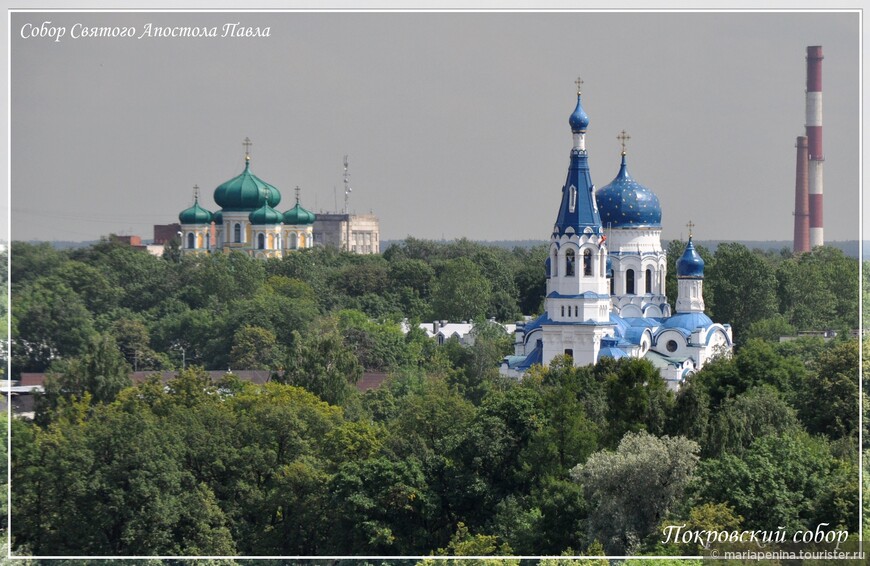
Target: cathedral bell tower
578 299
690 279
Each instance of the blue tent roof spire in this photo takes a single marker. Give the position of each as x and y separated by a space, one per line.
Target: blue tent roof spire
578 209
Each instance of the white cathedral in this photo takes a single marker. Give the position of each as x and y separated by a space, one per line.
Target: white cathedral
606 289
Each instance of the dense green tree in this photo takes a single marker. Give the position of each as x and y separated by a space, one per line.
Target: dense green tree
322 363
377 345
835 380
743 287
463 543
780 480
379 507
691 414
461 292
756 363
101 372
530 279
637 398
758 412
48 322
632 489
30 261
133 338
255 347
770 329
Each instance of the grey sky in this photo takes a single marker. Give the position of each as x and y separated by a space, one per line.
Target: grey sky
455 123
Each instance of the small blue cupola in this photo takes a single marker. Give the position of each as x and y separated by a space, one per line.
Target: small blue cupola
691 264
579 120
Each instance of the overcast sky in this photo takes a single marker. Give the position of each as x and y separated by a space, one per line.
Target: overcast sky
456 124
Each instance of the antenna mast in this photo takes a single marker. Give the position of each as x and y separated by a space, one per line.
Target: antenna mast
347 189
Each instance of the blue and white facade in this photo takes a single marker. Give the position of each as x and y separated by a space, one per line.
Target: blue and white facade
606 281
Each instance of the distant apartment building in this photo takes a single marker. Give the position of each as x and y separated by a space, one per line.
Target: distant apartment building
355 233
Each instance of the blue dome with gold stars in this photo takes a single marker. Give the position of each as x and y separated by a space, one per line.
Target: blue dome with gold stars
625 203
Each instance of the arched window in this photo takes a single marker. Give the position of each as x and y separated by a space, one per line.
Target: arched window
569 263
554 266
261 241
576 311
237 233
587 262
190 237
649 277
611 286
629 282
293 241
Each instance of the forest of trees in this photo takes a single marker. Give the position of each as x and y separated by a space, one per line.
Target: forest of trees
446 457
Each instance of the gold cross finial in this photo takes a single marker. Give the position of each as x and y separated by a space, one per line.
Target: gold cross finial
247 143
579 83
690 225
623 137
196 193
297 193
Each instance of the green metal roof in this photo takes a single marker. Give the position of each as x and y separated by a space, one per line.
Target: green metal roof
246 192
265 215
195 215
298 216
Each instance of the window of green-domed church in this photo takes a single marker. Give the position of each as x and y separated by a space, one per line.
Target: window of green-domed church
587 263
569 263
648 282
671 345
190 240
237 233
293 241
629 282
261 241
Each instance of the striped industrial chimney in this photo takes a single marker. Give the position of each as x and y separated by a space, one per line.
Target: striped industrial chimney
814 144
801 199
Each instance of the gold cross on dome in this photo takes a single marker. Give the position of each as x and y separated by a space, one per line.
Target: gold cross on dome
247 143
690 225
623 137
579 83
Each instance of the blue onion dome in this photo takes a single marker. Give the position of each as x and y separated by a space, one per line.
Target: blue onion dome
195 215
265 215
625 203
246 192
579 120
297 216
691 264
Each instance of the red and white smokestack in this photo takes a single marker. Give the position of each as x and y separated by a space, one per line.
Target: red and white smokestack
814 143
801 199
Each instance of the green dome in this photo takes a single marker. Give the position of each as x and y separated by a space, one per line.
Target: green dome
218 217
298 215
246 192
195 215
265 215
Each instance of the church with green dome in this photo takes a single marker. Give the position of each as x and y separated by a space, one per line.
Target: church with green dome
248 220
